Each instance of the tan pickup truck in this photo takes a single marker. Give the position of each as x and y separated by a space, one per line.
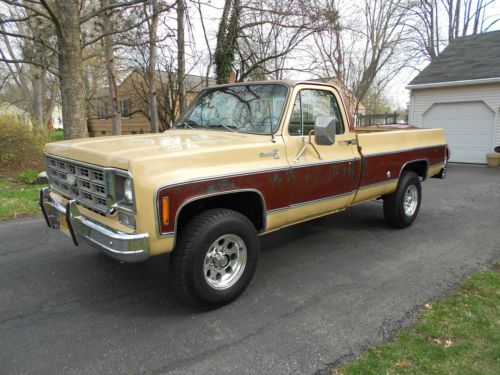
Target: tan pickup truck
243 160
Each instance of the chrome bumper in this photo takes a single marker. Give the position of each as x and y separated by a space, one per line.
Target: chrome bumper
121 246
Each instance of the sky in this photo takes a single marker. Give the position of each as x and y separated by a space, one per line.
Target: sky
396 92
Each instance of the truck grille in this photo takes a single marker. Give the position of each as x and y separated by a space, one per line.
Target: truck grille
85 184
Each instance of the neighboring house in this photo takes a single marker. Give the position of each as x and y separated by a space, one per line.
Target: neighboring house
133 93
460 92
355 106
12 113
56 118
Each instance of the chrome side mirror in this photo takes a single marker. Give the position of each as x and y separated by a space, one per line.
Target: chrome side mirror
324 130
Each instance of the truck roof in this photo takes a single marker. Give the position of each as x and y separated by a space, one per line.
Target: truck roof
286 82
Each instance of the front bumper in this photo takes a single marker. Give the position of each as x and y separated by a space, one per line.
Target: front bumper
121 246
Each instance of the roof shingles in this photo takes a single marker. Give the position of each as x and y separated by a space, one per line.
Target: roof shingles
467 58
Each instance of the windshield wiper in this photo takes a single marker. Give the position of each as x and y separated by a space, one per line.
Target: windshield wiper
186 125
228 127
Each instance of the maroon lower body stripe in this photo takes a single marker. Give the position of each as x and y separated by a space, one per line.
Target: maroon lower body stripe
295 185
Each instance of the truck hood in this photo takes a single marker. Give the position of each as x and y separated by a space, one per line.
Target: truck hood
119 151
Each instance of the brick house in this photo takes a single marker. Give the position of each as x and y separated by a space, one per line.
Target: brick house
133 93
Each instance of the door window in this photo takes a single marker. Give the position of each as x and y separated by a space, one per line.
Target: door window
310 104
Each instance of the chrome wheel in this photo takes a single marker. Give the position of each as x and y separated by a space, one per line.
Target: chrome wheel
225 261
410 200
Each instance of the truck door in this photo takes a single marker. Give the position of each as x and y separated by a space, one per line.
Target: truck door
324 181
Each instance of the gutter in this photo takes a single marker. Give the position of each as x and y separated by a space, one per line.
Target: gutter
454 83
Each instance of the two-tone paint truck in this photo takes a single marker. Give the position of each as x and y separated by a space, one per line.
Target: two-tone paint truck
243 160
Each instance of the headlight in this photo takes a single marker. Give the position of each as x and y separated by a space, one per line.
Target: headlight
127 191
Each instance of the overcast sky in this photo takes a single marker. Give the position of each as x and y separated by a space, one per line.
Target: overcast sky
396 91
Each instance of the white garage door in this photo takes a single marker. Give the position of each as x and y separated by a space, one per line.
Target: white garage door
468 127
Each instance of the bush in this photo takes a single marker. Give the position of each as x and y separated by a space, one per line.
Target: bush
19 147
28 177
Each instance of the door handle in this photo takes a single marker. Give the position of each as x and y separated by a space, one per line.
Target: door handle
349 142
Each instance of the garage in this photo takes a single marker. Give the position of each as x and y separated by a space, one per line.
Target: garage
460 91
469 128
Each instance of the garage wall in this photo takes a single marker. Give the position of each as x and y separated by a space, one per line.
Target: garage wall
422 99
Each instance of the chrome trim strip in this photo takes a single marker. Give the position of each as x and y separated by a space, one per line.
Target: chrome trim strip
311 202
403 150
199 197
313 164
378 183
321 199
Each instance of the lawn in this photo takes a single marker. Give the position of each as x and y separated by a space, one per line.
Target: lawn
459 334
18 199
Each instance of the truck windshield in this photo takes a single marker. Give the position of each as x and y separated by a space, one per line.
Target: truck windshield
245 109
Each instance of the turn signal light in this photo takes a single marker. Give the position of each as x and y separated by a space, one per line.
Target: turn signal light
164 210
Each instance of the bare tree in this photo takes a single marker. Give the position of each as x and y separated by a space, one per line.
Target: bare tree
226 40
367 52
67 17
152 66
269 31
110 65
32 81
438 23
181 53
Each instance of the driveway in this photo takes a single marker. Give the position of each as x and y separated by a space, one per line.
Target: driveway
324 291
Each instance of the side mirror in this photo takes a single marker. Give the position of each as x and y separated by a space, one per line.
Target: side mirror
324 130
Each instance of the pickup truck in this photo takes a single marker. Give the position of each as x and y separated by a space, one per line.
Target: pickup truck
243 160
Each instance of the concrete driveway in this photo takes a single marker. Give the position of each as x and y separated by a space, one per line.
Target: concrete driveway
324 291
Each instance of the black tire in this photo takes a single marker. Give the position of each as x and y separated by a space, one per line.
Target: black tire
394 204
188 259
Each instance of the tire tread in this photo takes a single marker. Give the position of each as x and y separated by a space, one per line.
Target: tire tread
184 255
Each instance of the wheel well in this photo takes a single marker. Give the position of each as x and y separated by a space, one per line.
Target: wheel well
248 203
419 167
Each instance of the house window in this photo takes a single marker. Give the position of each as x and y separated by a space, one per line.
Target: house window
125 107
102 113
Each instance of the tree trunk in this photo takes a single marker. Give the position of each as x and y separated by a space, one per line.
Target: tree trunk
224 51
181 63
110 65
37 100
151 76
71 70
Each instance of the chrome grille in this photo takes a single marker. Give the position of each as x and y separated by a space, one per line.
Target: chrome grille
85 184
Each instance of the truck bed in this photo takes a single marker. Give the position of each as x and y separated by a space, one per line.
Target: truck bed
385 152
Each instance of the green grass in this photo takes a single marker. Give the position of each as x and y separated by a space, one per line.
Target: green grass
55 135
457 335
18 199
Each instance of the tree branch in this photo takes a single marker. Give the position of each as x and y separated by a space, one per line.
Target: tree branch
99 11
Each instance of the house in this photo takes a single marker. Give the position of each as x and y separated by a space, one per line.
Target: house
133 93
356 107
12 113
56 118
460 92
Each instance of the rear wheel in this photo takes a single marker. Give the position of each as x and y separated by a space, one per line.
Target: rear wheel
216 258
401 207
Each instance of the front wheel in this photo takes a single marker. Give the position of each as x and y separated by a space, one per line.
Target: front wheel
401 207
216 258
